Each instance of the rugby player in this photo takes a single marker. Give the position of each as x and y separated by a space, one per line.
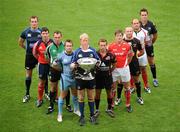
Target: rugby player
39 50
141 34
124 53
26 41
64 60
152 32
134 64
56 47
104 76
85 80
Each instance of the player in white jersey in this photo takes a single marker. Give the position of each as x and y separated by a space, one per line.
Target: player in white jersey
141 34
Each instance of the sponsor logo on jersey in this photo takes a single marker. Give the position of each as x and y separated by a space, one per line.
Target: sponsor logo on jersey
102 64
123 48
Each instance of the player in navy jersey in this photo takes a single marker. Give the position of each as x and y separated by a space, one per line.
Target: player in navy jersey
27 39
152 32
85 79
104 76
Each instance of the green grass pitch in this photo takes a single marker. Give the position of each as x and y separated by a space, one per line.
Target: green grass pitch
98 18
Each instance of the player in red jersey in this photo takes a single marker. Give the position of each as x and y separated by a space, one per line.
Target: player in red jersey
124 53
43 64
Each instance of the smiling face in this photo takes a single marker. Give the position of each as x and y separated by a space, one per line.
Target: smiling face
68 46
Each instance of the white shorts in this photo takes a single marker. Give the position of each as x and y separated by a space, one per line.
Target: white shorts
143 59
121 74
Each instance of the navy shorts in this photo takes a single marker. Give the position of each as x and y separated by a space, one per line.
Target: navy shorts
43 71
134 68
85 84
30 62
104 82
150 51
54 75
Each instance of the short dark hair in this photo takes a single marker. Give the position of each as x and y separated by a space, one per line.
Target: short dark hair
118 31
44 29
143 10
102 40
68 40
58 32
33 17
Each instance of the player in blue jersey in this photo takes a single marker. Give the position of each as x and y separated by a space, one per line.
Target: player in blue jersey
63 61
26 40
85 79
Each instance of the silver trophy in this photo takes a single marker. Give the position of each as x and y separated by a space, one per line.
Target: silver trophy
87 64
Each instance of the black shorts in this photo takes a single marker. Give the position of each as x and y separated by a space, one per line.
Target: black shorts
30 62
104 82
85 84
54 75
134 68
43 71
150 51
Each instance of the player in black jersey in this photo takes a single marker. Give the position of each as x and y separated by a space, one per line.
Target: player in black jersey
152 32
134 65
104 76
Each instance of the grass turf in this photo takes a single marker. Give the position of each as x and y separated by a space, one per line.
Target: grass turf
161 111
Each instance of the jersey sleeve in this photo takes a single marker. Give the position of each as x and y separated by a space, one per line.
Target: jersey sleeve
75 58
113 58
139 46
23 34
154 30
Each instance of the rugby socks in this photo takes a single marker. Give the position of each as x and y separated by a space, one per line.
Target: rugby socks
109 100
132 82
153 70
81 109
68 98
75 102
144 77
46 86
60 105
113 92
138 89
40 92
28 84
97 101
57 92
128 96
119 90
91 108
52 98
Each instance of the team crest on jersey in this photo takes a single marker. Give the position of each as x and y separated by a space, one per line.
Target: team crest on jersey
80 55
40 47
29 35
39 36
54 51
108 58
90 55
